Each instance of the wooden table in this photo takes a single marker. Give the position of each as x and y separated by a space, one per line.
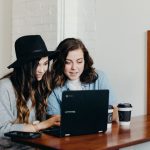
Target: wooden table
117 137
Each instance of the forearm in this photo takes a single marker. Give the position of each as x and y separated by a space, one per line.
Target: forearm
43 125
55 120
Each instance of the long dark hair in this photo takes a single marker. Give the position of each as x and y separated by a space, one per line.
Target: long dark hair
27 87
58 77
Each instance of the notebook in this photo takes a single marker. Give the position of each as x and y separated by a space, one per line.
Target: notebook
82 112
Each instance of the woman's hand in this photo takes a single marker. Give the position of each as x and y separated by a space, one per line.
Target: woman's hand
54 120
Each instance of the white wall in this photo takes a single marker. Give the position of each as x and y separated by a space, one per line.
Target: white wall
121 48
35 17
5 35
76 22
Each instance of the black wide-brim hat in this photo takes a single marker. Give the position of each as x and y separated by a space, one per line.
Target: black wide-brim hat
30 47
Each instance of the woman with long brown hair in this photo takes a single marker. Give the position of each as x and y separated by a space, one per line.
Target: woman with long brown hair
73 70
24 91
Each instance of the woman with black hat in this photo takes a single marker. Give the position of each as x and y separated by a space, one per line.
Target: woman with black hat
24 91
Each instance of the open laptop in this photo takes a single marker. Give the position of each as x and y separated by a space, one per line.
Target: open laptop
82 112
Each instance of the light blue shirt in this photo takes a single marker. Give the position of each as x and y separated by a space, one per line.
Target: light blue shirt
54 100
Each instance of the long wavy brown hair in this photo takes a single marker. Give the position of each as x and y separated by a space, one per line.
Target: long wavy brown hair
57 71
27 87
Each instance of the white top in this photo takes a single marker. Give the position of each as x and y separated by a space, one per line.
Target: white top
74 84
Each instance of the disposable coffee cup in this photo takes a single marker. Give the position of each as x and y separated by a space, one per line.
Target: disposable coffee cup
110 115
124 112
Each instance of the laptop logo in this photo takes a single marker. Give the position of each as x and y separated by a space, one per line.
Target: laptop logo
70 112
68 95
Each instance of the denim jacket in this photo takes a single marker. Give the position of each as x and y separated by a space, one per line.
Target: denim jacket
55 98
